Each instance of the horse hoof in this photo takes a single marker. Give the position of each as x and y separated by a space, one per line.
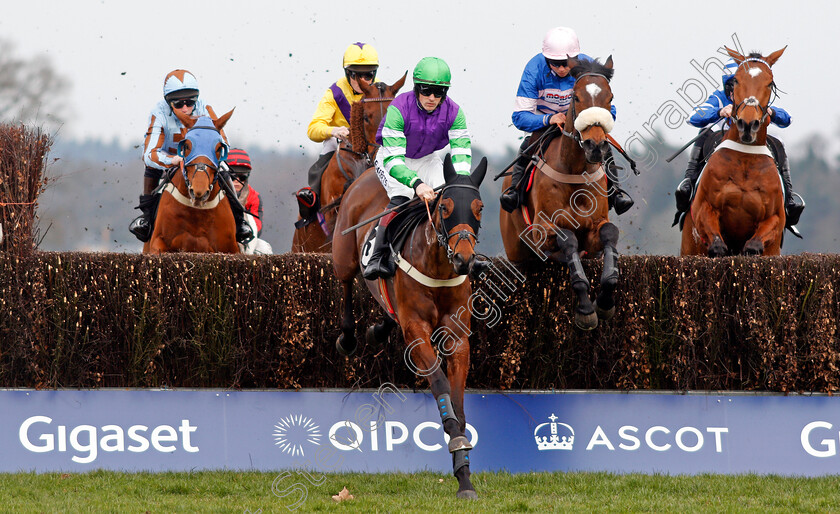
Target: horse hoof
605 314
344 350
753 248
459 443
370 335
469 494
586 321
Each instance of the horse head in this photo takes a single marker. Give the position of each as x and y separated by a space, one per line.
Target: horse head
590 110
366 114
752 93
458 214
202 150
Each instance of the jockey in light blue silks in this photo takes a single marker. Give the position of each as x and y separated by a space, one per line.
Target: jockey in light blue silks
160 151
543 99
716 111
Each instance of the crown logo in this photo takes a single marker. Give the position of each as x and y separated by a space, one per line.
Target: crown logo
550 439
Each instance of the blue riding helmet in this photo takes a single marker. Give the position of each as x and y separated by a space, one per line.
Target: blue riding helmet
729 70
204 138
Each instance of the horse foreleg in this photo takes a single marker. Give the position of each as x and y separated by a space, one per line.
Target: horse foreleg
707 229
605 304
422 359
346 343
585 317
767 238
457 366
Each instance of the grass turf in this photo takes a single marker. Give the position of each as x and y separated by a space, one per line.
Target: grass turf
105 491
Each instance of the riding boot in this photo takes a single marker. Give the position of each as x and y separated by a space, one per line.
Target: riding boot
683 193
619 199
512 196
142 225
380 264
244 233
794 203
307 197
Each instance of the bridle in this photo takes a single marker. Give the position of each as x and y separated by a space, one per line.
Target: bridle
201 167
751 101
575 136
442 234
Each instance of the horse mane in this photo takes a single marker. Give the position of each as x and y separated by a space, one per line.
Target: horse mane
357 122
592 66
357 127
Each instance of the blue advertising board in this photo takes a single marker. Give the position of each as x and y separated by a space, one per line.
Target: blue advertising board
392 430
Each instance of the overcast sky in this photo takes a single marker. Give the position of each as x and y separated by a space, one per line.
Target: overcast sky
272 61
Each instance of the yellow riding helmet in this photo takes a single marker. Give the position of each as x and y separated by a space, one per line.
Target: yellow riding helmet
361 57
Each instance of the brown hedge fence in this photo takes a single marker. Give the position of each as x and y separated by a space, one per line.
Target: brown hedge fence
188 320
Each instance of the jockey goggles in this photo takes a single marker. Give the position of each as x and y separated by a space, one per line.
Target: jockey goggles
367 75
557 62
189 102
429 90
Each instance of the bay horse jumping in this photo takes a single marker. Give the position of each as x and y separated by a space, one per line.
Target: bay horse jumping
565 211
351 159
193 214
428 296
738 207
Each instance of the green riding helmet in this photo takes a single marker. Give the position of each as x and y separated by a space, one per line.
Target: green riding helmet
432 70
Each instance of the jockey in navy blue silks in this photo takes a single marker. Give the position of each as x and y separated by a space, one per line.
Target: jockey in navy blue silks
543 98
716 111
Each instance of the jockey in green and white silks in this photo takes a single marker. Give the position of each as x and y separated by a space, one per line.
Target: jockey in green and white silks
417 124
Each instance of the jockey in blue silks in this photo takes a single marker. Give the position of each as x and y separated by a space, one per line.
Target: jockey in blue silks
716 111
543 98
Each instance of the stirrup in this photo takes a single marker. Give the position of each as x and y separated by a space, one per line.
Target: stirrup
244 234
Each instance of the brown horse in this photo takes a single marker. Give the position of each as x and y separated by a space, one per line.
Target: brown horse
428 296
351 159
565 212
193 214
739 203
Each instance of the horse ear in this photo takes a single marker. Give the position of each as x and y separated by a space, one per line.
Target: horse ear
220 122
609 63
398 84
772 58
449 172
735 55
477 175
186 119
368 90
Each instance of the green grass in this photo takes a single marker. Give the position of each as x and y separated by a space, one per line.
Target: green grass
102 491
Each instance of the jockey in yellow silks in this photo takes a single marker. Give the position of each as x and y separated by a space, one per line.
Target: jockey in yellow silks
331 120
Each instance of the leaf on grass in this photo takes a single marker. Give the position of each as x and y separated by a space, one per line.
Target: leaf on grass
343 495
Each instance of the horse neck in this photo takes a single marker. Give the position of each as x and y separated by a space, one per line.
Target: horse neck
424 253
564 154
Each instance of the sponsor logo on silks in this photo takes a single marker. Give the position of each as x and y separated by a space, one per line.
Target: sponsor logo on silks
554 438
292 432
37 435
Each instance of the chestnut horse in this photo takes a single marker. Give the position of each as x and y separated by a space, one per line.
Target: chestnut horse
565 212
428 296
351 159
193 214
738 207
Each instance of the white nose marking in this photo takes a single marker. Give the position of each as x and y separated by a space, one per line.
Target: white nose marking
754 71
593 90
